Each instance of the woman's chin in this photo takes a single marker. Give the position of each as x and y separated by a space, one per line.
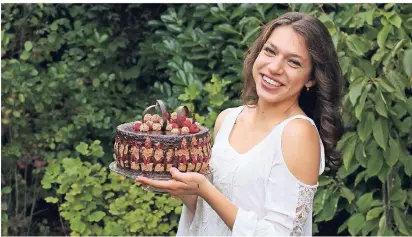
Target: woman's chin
267 97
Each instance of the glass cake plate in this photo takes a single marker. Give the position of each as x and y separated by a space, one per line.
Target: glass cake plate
155 176
134 174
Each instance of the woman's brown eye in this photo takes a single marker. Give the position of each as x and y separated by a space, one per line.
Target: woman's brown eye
295 63
268 50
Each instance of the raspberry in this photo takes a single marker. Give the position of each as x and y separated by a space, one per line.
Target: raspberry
136 126
187 124
182 118
194 128
174 125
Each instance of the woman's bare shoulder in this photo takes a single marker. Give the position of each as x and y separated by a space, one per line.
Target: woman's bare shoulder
219 120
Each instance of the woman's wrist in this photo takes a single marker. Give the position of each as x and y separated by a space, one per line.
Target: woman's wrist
204 188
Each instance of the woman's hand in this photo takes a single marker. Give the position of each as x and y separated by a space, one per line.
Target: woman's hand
190 183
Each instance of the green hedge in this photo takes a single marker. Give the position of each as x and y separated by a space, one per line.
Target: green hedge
72 73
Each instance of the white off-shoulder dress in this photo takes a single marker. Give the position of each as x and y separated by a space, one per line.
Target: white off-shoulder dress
271 200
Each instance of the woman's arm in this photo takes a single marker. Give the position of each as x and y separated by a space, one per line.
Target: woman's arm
189 201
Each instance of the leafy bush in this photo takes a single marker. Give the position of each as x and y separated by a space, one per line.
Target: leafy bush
72 72
96 202
69 77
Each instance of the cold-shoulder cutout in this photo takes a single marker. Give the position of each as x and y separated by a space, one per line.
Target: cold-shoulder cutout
302 150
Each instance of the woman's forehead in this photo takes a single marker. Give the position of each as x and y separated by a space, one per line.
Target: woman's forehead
286 40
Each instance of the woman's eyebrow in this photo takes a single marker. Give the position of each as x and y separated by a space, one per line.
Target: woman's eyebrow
288 54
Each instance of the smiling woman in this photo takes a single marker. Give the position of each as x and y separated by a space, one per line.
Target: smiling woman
268 153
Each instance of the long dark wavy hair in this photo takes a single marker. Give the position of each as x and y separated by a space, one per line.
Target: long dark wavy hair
322 101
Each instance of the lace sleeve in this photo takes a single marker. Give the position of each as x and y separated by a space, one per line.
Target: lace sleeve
303 208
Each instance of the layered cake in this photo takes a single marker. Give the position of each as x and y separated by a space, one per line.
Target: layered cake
161 141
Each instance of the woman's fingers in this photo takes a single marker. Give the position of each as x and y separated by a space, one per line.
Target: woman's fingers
179 176
167 185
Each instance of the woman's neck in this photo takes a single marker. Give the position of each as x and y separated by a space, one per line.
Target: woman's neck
272 114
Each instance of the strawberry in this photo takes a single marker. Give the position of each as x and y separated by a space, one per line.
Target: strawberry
187 123
136 126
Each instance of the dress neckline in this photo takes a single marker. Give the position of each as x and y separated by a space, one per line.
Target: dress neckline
254 147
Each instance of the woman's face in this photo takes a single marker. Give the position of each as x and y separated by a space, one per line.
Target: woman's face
282 67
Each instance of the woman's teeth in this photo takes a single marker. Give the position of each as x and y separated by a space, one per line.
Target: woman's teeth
271 82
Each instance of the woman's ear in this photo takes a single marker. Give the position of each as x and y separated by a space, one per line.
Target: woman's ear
310 83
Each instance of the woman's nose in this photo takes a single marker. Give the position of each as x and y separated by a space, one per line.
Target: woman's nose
276 66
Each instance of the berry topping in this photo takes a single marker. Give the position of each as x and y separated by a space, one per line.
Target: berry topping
144 127
173 116
185 130
136 126
147 117
156 127
187 124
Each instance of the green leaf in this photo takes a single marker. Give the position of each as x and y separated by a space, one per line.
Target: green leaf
407 162
103 38
375 163
361 104
28 46
329 208
394 152
380 104
360 177
227 29
96 82
395 20
360 154
6 190
400 221
348 152
348 194
355 90
369 16
51 199
374 213
366 66
96 216
365 126
383 34
407 62
82 148
77 225
355 223
250 34
25 55
364 202
381 132
385 85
